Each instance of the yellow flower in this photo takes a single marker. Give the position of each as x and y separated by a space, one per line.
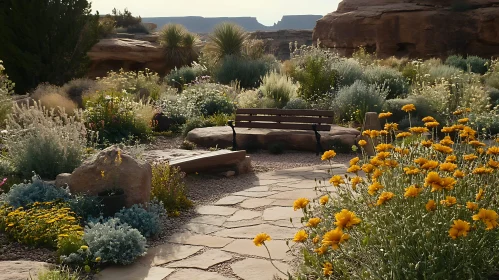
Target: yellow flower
402 151
384 197
368 168
300 236
354 161
411 170
321 250
489 217
384 147
102 173
451 158
336 180
476 143
458 112
391 126
316 239
385 115
472 205
470 157
382 155
261 238
84 247
403 134
372 189
353 169
448 183
429 165
328 155
433 180
420 161
448 201
355 181
334 237
432 124
412 191
458 174
313 222
467 132
418 129
98 259
463 120
327 269
447 129
377 173
300 203
324 200
446 141
426 143
408 108
429 119
479 195
431 205
370 133
346 219
448 166
442 149
10 225
493 150
362 143
459 228
482 170
492 163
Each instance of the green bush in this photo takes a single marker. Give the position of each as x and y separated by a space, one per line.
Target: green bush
184 75
388 78
77 88
168 187
142 84
438 72
227 39
86 207
142 219
37 190
278 87
116 117
114 242
477 64
297 103
457 61
249 99
494 96
423 109
179 44
38 136
493 80
247 72
349 71
194 123
354 101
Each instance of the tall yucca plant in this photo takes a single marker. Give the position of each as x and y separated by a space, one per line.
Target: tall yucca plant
179 45
226 39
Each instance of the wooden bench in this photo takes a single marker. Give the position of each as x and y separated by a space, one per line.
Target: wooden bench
314 120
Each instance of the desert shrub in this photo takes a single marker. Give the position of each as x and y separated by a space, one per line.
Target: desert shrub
227 39
184 75
249 99
58 274
77 88
67 245
437 95
107 26
6 88
114 242
196 122
58 101
457 61
37 190
423 212
85 206
116 117
254 48
220 119
142 84
494 96
314 72
296 103
278 87
123 19
188 145
179 45
393 62
247 72
52 221
493 80
218 104
355 101
349 71
439 72
38 136
389 78
423 109
168 187
137 28
477 64
140 218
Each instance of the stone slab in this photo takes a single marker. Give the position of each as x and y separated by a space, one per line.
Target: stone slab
188 238
169 252
135 271
277 248
258 269
257 189
243 223
281 213
20 270
204 260
282 202
254 194
209 220
230 200
295 194
275 232
209 161
192 274
244 215
216 210
201 228
256 202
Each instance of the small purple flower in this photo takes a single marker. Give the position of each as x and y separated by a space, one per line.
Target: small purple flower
3 181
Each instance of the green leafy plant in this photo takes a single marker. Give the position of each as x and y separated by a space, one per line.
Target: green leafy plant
279 88
227 39
188 145
247 72
37 190
141 84
388 78
179 45
142 219
168 187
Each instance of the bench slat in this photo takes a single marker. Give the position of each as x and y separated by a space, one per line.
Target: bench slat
288 112
292 126
288 119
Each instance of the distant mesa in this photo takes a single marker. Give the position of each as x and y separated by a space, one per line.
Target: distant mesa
205 25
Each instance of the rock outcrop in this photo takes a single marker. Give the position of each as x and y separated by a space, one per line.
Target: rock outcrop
129 54
412 28
277 42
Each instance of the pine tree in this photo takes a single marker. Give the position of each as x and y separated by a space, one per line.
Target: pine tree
45 40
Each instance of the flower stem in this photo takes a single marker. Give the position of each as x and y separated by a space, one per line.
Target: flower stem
270 257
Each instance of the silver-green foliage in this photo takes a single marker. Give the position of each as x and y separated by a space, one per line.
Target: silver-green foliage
47 142
349 71
145 220
388 78
278 87
114 242
24 194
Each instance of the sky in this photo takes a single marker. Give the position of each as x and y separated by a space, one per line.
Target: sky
267 12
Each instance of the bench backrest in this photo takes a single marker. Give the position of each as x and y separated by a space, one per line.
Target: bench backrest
284 119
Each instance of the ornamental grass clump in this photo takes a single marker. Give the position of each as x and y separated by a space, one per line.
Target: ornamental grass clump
420 208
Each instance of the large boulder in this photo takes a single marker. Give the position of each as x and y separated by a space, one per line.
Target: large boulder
112 168
412 28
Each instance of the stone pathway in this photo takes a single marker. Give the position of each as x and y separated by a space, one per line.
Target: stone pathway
217 245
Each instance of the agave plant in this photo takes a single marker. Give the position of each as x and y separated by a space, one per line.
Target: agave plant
226 39
180 45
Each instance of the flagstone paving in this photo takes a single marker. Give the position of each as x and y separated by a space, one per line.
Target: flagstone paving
217 244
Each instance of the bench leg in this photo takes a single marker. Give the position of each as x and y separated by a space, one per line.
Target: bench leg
319 149
234 142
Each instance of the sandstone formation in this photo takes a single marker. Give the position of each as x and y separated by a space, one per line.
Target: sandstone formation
277 42
110 169
129 54
412 28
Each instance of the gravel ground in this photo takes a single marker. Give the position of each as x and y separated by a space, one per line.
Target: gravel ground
10 251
